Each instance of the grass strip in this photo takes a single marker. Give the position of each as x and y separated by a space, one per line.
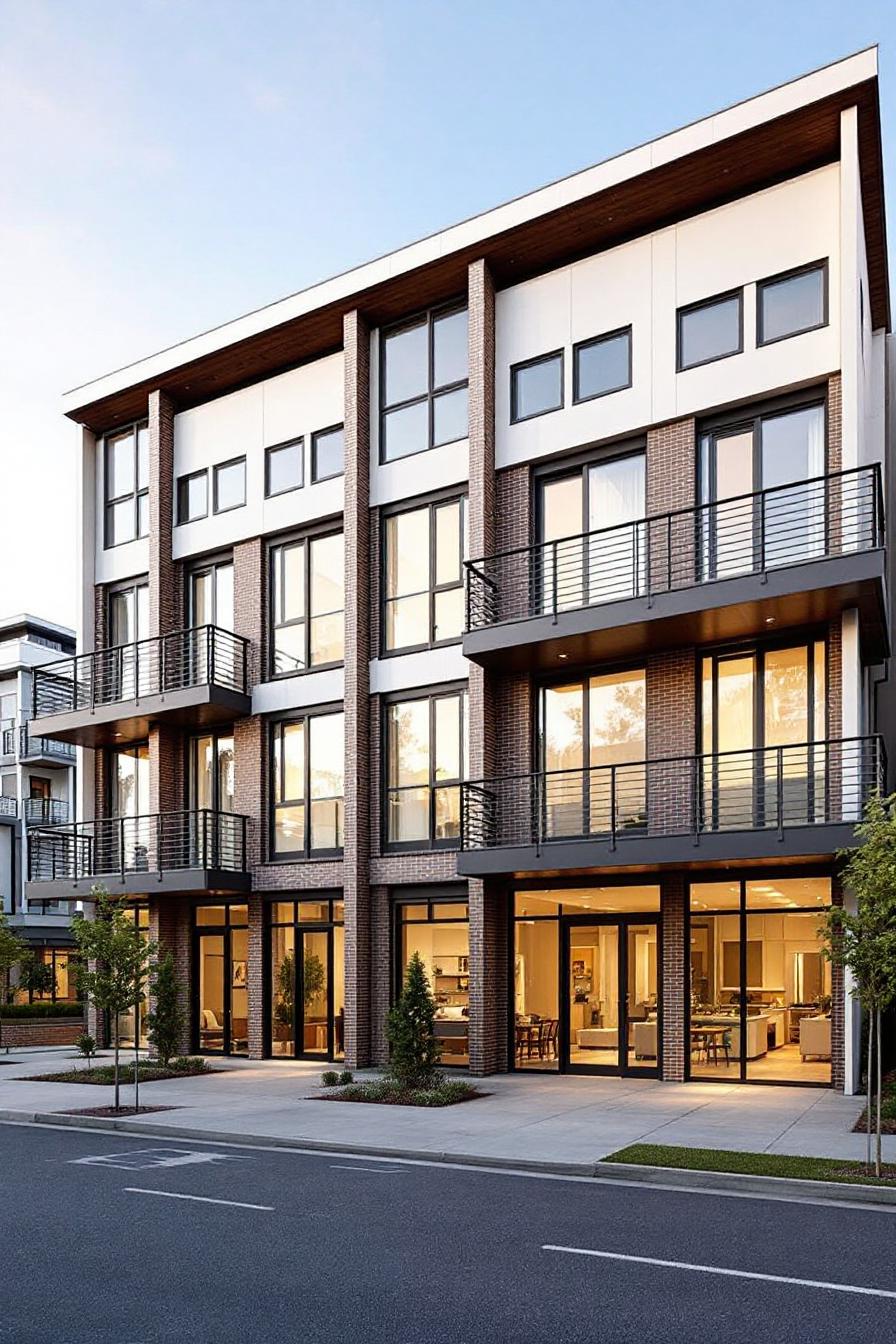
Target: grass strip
751 1164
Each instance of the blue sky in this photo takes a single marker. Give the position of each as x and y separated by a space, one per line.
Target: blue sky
168 164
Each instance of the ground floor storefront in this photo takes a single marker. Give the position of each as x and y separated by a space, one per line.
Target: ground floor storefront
705 977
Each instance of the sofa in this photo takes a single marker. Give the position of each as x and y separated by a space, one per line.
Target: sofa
815 1037
644 1039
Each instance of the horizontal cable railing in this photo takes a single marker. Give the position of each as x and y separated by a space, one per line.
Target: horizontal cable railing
7 737
771 788
837 514
32 746
204 655
160 842
8 806
46 811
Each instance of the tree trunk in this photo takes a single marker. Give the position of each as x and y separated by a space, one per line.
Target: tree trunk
879 1081
870 1073
137 1057
116 1042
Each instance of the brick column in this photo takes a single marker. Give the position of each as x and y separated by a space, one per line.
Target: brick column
488 936
674 988
671 721
249 735
671 484
356 866
381 963
255 977
165 588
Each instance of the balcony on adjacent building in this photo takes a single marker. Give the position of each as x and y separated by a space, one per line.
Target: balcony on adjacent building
730 569
8 810
782 802
196 677
36 749
46 811
167 852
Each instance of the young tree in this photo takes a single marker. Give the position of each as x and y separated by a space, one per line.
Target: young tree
863 940
415 1052
12 950
36 976
113 963
166 1021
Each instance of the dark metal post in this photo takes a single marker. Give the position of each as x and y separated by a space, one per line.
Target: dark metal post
779 751
211 654
554 580
612 805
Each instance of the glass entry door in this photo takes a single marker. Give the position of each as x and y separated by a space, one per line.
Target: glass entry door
611 1014
307 991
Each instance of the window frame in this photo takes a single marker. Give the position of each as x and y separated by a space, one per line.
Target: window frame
579 346
276 546
136 494
206 565
515 418
749 419
218 467
432 503
761 285
316 478
299 443
686 309
181 495
458 690
276 728
429 316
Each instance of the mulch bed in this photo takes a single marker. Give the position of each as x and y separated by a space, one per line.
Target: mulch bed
100 1078
379 1094
887 1173
123 1110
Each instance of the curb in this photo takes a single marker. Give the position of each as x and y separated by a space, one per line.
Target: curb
615 1173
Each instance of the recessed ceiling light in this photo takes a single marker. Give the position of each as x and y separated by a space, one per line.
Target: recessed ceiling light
563 657
769 620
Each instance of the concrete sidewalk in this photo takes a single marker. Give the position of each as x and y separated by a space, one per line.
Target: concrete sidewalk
524 1117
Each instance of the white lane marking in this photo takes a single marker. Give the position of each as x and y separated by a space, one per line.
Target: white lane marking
198 1199
140 1159
376 1171
729 1273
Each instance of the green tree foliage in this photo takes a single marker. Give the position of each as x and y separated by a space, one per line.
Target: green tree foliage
415 1051
167 1021
12 950
36 976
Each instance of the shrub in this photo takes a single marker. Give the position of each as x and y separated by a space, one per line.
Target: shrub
167 1020
411 1030
86 1046
330 1078
346 1076
43 1008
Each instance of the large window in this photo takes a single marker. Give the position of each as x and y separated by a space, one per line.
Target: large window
536 387
426 759
438 930
424 593
760 984
222 958
307 770
307 603
593 748
711 329
127 485
789 304
424 384
210 595
212 782
307 979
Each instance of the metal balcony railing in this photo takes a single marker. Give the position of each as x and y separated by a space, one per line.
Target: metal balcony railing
833 515
8 806
46 811
32 747
204 655
7 737
161 842
772 788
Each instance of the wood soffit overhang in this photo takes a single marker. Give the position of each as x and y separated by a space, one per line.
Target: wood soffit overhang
785 147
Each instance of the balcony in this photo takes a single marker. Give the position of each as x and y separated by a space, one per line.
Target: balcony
791 555
36 749
199 851
195 677
778 803
8 810
46 811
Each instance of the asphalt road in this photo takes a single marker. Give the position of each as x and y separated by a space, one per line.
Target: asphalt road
348 1249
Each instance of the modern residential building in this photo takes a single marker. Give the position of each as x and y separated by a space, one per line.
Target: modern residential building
518 598
37 790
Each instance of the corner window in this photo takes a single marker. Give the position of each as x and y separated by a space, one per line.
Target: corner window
327 454
424 592
307 786
192 497
602 365
536 387
423 384
126 482
426 759
787 305
230 485
711 329
283 468
307 604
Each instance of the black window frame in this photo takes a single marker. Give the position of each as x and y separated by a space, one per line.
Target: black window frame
318 434
590 343
686 309
136 494
222 466
182 494
276 546
794 273
276 729
277 448
430 316
430 694
207 565
515 418
432 503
